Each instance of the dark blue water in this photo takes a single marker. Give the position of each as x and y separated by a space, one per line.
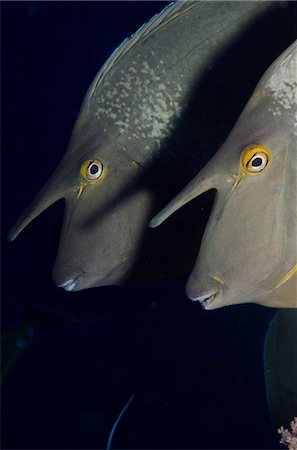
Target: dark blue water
197 376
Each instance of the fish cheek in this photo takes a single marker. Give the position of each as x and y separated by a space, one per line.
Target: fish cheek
101 233
120 230
88 246
246 244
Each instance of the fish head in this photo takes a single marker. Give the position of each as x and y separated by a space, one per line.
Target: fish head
103 225
245 241
248 251
106 211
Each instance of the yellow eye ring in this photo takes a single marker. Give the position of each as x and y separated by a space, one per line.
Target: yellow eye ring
91 170
255 159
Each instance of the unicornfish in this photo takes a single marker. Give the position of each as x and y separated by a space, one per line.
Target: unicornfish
130 109
249 249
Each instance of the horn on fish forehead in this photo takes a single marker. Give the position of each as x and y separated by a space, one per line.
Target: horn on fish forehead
51 192
207 179
215 175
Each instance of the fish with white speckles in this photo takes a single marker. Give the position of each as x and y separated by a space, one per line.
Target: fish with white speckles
110 176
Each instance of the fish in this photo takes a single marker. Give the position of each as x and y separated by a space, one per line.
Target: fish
111 174
280 361
248 252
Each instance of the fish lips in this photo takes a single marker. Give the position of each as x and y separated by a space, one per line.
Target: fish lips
69 285
77 279
208 296
205 300
69 278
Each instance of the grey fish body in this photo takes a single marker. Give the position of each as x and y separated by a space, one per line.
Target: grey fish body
129 110
249 249
248 253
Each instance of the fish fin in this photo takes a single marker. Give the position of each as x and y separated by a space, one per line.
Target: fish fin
117 421
280 366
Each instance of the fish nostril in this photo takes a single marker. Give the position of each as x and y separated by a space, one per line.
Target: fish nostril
70 284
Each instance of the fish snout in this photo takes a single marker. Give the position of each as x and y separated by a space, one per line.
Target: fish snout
68 280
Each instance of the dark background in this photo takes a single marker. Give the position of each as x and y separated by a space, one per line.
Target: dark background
197 376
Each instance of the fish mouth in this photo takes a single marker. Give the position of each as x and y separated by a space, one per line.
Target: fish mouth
69 285
205 300
79 282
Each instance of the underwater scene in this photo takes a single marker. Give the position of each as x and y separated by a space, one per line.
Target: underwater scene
119 331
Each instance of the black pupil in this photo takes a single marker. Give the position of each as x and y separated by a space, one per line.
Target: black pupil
257 162
94 169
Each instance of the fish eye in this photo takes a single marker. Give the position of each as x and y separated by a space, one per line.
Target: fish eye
258 162
91 170
94 170
255 158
